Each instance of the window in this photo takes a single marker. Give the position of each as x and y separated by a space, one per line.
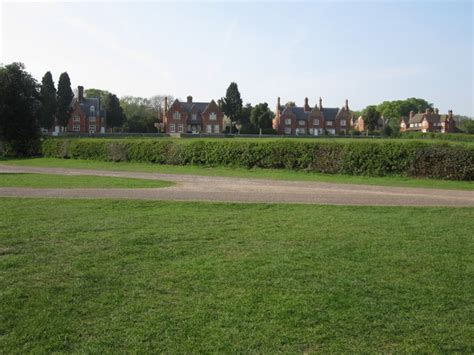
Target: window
302 123
180 128
194 116
92 128
216 128
316 122
301 131
76 127
176 115
172 128
91 119
343 122
287 130
332 131
311 131
92 110
329 123
288 121
209 128
212 116
76 117
189 128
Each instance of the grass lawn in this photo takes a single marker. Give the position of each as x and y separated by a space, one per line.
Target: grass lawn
78 181
277 174
94 276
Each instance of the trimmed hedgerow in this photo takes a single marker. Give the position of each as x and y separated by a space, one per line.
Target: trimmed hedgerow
376 158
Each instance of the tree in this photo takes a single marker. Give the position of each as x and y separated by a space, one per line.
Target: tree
19 110
114 112
261 116
371 117
65 96
157 104
290 104
49 103
245 118
231 104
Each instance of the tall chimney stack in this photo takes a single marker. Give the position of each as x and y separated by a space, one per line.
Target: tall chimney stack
306 105
347 105
166 104
320 103
412 113
80 93
437 111
450 113
190 99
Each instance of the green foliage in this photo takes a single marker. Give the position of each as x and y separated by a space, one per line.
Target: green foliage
455 137
115 116
371 117
261 117
19 111
65 96
140 114
49 102
377 158
231 104
101 94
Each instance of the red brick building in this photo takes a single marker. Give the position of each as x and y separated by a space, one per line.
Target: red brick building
193 117
295 120
87 116
430 121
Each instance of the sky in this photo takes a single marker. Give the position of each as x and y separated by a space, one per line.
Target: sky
366 52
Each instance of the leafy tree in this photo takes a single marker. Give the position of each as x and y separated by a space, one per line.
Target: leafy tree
231 104
49 103
19 110
157 104
103 95
245 117
65 96
371 117
261 116
290 104
114 112
141 117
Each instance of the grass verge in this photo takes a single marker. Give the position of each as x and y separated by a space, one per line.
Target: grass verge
276 174
76 181
138 276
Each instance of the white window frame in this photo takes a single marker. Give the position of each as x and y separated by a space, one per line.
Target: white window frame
328 123
76 117
301 123
180 128
176 115
194 116
217 128
287 121
213 116
316 122
76 127
343 122
209 128
92 128
287 130
172 128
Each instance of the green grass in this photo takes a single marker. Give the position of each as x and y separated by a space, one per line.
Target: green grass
77 181
92 276
276 174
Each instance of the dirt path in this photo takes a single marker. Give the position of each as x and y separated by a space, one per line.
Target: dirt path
209 188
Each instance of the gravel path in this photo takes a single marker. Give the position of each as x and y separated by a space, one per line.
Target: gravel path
209 188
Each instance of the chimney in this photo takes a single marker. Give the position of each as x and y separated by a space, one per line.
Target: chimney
412 113
450 113
320 103
306 106
190 99
427 111
166 104
347 105
80 93
436 111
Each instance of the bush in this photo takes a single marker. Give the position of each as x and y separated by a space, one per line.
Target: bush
376 158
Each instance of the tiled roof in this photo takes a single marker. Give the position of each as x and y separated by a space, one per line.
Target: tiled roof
329 113
86 104
200 106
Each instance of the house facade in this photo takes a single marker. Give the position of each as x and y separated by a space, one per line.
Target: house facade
193 117
86 114
317 120
429 121
359 124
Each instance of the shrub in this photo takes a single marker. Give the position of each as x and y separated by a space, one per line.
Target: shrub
377 158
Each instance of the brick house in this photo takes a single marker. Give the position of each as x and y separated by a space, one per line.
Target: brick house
429 121
87 115
295 120
193 117
359 124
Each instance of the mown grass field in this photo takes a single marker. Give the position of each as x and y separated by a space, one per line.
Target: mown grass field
255 173
126 276
76 181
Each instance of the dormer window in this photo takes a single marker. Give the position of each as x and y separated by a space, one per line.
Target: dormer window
212 116
343 122
194 116
176 115
92 111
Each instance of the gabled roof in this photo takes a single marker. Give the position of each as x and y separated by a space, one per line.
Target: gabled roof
329 113
87 103
188 106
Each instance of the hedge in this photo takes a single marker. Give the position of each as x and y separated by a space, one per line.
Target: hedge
375 158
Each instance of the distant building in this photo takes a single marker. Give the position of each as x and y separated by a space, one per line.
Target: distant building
193 117
429 121
87 116
359 124
295 120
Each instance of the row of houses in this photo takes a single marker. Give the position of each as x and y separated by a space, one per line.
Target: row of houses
87 116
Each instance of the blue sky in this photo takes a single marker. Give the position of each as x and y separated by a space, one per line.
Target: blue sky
366 52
